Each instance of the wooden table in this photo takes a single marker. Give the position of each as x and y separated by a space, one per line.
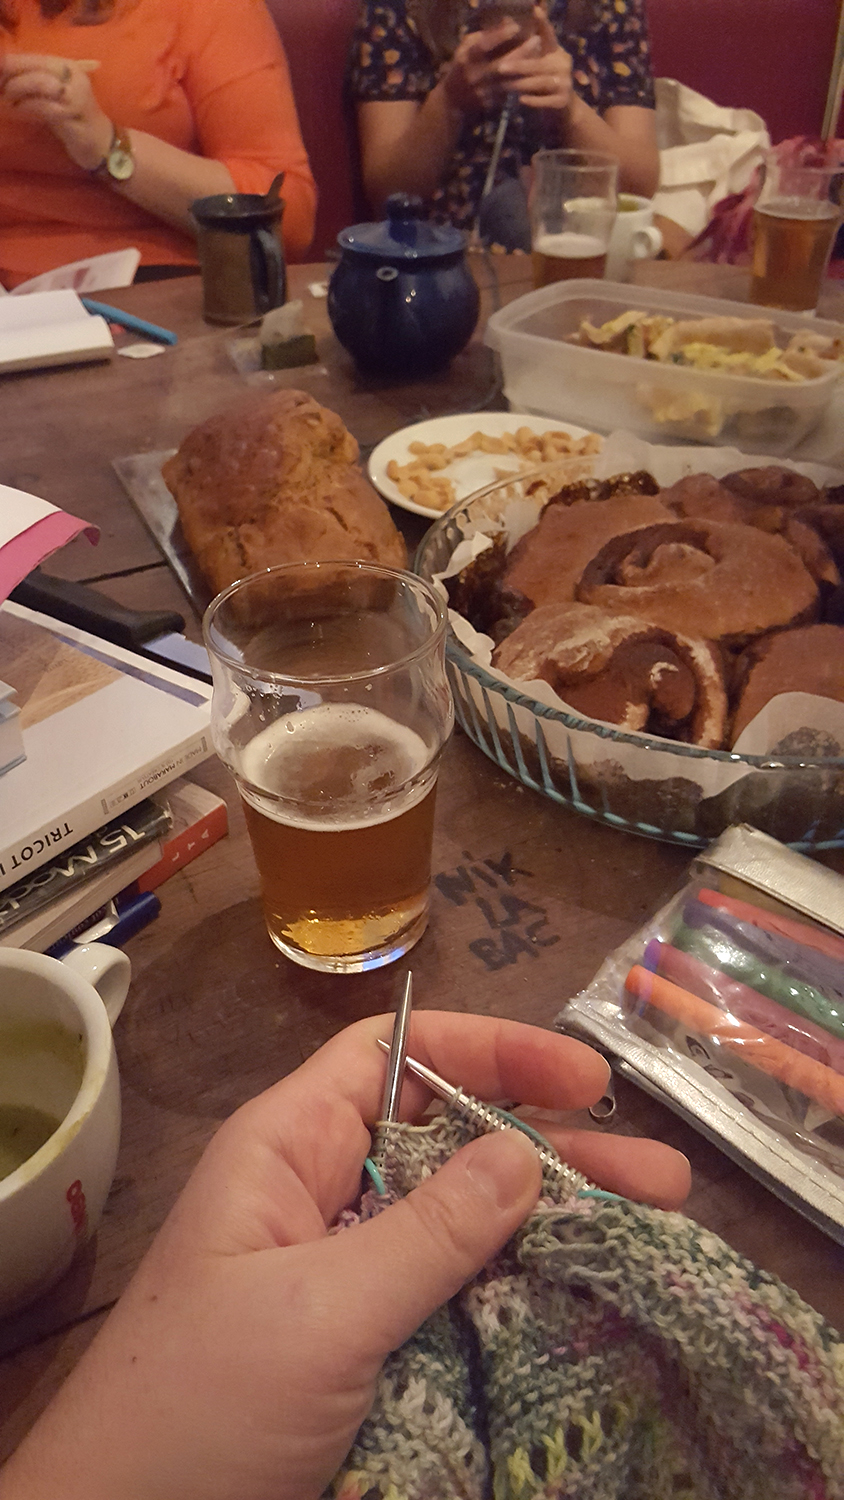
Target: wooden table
215 1013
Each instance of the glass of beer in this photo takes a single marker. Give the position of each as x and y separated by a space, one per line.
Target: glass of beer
573 208
331 708
795 220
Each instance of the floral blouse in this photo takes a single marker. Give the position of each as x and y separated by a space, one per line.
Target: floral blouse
610 65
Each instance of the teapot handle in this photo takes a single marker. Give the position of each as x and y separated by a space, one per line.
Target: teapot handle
269 277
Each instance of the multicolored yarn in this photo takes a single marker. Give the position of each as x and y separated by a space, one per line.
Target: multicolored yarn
610 1352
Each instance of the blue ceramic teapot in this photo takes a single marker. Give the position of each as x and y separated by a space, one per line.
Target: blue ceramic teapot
402 299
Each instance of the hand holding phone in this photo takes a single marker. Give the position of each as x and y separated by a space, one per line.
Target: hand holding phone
491 14
497 27
540 70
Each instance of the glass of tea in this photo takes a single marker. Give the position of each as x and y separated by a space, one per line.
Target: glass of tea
573 205
331 708
795 220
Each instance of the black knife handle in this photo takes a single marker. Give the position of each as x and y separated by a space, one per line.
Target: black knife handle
87 609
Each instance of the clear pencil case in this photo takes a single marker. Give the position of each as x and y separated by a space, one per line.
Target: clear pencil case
729 1007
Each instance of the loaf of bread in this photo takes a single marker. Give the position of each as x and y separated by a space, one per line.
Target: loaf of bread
274 479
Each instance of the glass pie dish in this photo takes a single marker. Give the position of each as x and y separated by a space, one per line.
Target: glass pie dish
644 784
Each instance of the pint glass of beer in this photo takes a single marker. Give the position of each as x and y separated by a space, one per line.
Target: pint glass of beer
795 220
331 708
573 209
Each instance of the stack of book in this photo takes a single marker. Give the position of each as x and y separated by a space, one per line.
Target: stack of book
99 813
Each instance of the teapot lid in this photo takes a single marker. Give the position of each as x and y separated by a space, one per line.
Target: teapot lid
404 235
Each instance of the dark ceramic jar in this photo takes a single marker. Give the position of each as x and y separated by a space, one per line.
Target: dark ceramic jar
402 299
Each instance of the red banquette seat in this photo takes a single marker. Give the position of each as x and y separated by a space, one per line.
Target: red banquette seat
774 56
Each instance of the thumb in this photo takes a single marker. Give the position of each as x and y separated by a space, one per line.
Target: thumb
401 1265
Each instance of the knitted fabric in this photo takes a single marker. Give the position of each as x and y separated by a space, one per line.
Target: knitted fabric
609 1352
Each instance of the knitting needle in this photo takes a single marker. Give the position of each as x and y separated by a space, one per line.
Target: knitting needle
397 1048
398 1056
488 1117
503 122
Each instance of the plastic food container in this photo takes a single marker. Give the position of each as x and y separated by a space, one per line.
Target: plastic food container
594 388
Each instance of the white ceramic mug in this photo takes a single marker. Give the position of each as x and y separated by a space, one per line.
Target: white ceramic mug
57 1069
633 236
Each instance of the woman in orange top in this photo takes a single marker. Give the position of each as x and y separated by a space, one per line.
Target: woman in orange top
116 114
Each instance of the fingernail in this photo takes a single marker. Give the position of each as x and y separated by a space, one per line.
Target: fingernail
500 1165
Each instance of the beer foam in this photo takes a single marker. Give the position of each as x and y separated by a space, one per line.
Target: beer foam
282 767
571 245
803 210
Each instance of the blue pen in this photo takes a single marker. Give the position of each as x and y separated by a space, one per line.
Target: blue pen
132 915
128 320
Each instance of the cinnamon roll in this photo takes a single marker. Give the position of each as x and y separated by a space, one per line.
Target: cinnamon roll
721 582
773 499
546 565
700 497
771 484
621 670
810 660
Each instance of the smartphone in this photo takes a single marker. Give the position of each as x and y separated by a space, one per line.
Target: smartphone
492 12
489 13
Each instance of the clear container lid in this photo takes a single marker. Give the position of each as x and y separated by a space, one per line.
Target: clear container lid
404 235
551 315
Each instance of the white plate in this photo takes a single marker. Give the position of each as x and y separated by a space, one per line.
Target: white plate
470 473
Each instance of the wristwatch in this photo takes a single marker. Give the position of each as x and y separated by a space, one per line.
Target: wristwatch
118 162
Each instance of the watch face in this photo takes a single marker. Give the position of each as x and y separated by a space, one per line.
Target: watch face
121 164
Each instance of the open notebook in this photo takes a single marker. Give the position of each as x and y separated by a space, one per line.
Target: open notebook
50 328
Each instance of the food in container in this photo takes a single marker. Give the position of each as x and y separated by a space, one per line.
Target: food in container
420 479
603 714
548 370
649 619
738 346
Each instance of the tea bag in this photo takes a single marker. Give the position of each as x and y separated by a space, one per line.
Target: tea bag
285 343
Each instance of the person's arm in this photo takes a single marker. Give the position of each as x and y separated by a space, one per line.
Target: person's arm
541 75
625 131
59 93
406 144
244 1355
238 89
238 86
166 180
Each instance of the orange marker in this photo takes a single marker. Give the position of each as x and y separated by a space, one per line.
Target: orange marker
799 932
813 1079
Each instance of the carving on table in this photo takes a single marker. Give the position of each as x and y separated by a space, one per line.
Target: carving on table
516 925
